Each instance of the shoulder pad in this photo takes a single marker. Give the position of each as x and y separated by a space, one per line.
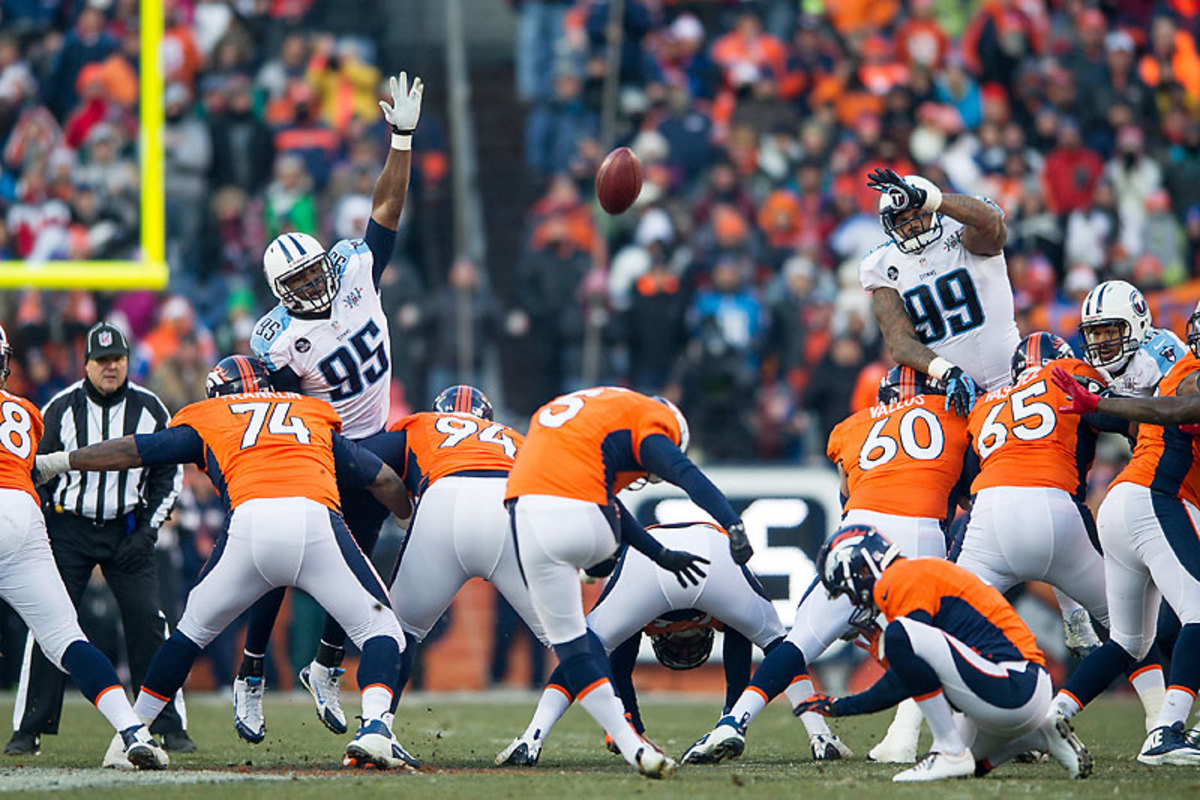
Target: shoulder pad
268 332
343 252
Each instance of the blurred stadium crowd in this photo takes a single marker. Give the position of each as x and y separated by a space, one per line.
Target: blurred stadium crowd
732 285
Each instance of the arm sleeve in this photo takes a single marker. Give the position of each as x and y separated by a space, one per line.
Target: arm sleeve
887 692
1107 423
659 455
622 661
382 243
634 535
736 653
285 379
355 466
178 445
162 483
389 447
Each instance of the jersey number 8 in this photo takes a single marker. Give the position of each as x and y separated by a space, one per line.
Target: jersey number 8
879 449
15 426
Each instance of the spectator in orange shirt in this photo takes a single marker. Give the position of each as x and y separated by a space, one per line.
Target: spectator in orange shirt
920 40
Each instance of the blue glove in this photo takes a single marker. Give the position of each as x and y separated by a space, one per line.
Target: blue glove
960 391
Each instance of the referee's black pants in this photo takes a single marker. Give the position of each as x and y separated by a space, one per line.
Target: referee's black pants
79 545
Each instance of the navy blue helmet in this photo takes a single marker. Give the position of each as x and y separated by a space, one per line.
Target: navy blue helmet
463 399
237 375
852 560
1037 350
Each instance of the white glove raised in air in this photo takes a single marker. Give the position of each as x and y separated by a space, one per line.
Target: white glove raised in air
50 466
405 109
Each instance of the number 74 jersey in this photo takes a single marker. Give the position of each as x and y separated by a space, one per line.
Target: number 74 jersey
344 358
960 304
1022 440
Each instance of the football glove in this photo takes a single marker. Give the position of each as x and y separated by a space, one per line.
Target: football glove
405 108
1081 401
49 466
913 192
739 545
685 565
1191 429
960 391
819 703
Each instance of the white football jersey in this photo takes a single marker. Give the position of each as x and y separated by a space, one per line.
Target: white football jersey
1148 365
960 304
346 358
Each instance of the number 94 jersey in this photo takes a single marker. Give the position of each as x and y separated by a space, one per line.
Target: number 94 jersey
344 358
902 458
960 304
437 445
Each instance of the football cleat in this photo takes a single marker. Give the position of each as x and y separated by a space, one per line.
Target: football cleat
248 709
521 752
1078 634
936 766
899 744
726 741
610 744
23 744
828 747
1065 746
375 746
322 684
135 748
654 763
1167 744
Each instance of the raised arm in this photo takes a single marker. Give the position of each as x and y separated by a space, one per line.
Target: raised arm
984 230
402 114
1182 409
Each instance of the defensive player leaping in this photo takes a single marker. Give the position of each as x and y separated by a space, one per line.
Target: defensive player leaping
582 449
679 619
30 583
273 456
328 338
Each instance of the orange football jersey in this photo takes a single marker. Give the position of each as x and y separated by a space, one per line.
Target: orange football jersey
269 444
939 593
438 445
1164 458
1021 438
578 443
20 431
902 458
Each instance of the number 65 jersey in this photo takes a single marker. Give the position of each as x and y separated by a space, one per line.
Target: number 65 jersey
904 458
343 357
960 304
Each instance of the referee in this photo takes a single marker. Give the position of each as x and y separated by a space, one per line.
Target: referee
106 518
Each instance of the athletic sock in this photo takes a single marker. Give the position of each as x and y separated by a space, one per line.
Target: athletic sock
330 655
1185 677
376 700
114 705
602 703
800 690
1097 671
262 620
379 666
252 665
553 703
166 673
1148 682
93 673
1065 704
937 712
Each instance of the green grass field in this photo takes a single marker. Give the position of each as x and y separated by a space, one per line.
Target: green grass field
457 737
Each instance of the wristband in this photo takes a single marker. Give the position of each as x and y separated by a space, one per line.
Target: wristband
938 368
402 141
52 465
933 198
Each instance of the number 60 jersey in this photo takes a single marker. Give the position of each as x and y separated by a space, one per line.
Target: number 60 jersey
960 304
343 357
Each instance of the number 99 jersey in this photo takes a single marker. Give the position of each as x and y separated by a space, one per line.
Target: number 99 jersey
960 304
343 357
902 459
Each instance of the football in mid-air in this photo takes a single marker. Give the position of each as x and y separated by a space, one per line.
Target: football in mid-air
619 180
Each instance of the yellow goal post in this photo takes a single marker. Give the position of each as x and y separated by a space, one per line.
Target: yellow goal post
150 272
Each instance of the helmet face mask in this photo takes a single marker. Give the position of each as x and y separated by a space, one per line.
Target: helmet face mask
912 230
300 273
1114 321
1193 332
685 649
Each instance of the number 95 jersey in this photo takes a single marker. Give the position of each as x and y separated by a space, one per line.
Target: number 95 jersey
960 304
344 357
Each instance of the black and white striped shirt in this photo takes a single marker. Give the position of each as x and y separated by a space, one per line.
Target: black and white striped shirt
78 416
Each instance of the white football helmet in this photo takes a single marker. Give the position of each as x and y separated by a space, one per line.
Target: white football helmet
911 236
1113 303
286 266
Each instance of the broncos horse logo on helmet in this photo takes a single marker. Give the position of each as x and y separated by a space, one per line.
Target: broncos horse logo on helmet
1037 350
904 383
852 560
237 375
463 399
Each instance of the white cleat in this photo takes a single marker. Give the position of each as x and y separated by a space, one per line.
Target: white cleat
375 746
522 752
323 684
1065 746
1078 634
937 767
653 763
135 748
1169 745
726 741
828 747
248 718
